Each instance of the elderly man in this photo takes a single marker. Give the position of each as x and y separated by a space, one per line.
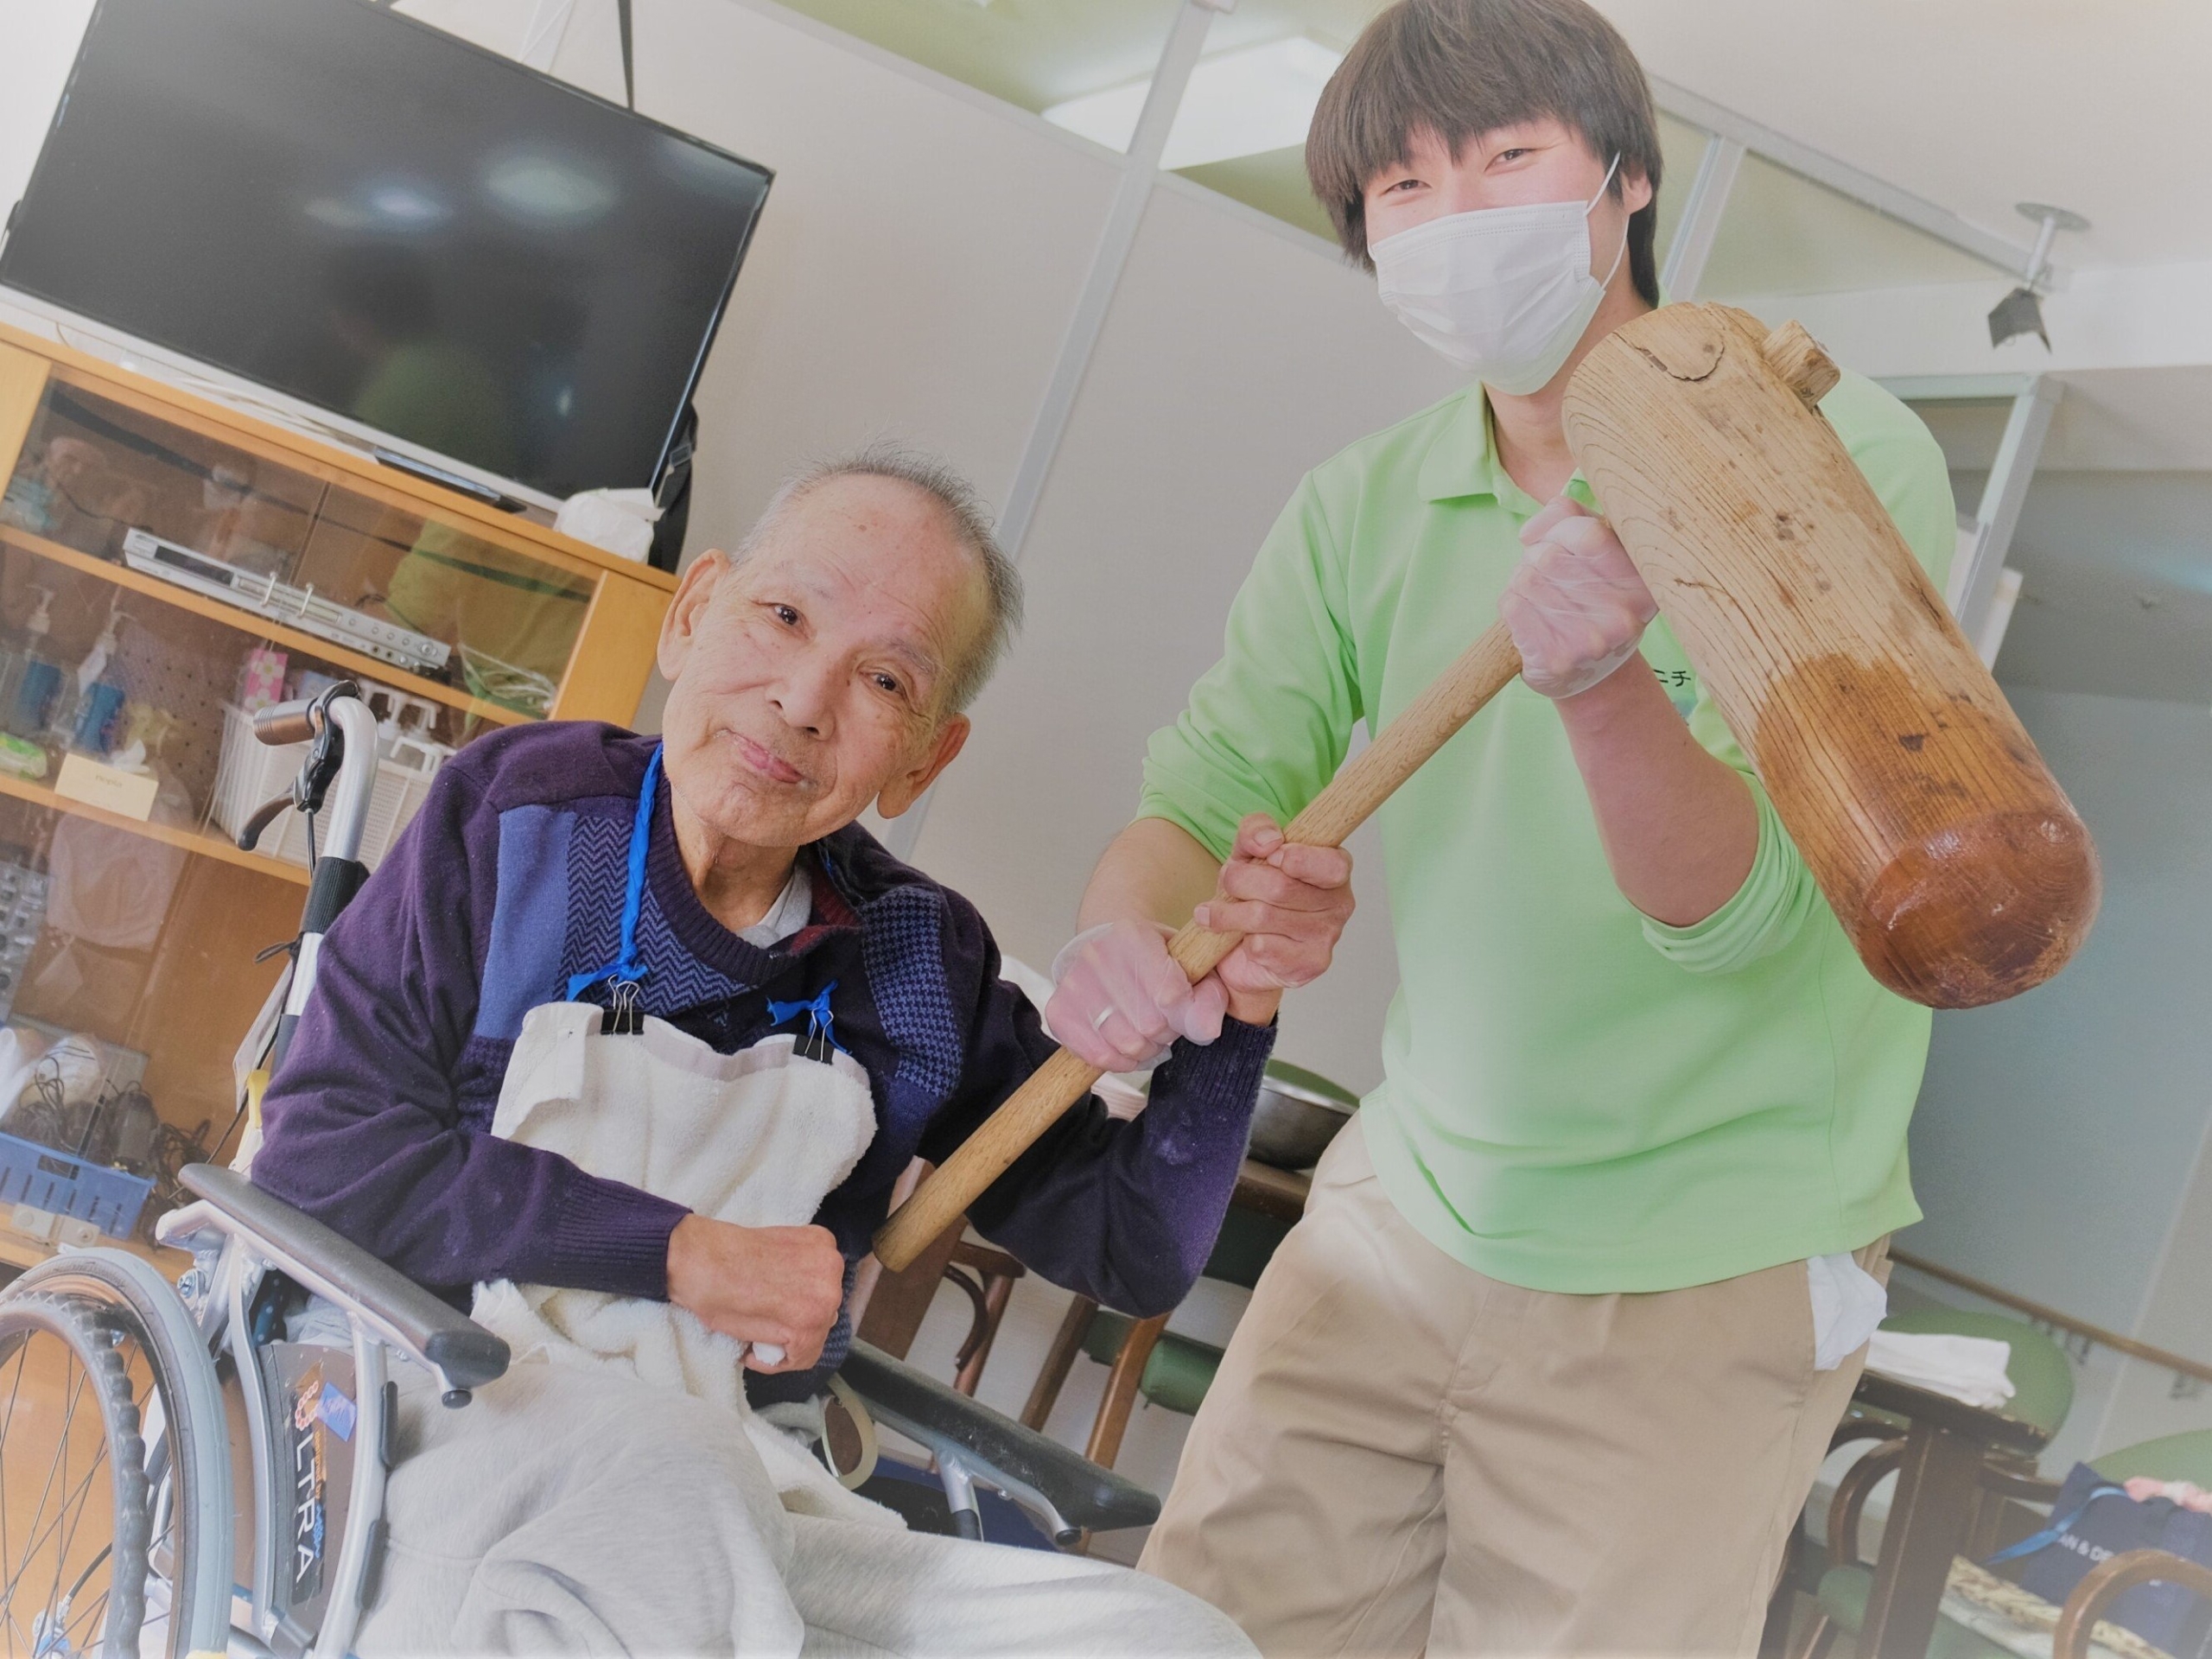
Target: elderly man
628 1041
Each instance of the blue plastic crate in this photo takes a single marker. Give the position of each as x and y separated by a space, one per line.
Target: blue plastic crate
46 1179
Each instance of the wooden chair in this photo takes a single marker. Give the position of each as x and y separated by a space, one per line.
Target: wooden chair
2004 1445
898 1302
1145 1358
1847 1589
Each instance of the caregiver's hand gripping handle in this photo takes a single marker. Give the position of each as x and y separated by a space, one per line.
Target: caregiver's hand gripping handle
775 1287
1350 798
1119 1000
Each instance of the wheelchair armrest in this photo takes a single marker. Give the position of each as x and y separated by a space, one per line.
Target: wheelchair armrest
463 1352
1086 1495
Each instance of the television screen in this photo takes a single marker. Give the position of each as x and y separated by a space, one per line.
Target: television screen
354 208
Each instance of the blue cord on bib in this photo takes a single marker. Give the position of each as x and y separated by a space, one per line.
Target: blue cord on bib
626 968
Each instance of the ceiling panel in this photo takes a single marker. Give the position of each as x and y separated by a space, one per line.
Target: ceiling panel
1030 52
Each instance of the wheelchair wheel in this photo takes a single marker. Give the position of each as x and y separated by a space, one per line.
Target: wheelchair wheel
115 1521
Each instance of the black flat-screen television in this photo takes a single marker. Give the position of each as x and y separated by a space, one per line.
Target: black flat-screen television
346 206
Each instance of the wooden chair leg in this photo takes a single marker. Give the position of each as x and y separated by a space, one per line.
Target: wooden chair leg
997 1290
1052 1375
1782 1606
1121 1390
1819 1637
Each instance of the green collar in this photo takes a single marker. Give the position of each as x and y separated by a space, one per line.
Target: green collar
1462 461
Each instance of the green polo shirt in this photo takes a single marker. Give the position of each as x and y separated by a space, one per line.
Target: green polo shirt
1575 1098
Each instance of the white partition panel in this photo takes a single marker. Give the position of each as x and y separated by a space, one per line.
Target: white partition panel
1238 354
915 266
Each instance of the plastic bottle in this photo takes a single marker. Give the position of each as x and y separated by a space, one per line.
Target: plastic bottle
85 711
12 641
38 682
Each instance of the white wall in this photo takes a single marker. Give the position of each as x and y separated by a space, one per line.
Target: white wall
915 265
1235 358
2059 1146
38 42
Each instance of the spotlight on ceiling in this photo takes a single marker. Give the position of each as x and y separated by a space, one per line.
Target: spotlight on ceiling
2020 312
1239 102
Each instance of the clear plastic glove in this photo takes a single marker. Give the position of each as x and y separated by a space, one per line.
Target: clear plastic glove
1119 1000
1576 606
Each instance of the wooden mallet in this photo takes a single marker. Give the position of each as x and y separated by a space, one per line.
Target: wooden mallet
1957 866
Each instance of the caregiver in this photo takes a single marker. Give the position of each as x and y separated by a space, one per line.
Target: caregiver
1551 1361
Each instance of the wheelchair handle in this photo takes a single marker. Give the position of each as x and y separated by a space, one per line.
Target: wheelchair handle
285 722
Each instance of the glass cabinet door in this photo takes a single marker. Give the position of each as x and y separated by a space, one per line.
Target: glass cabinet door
334 558
161 576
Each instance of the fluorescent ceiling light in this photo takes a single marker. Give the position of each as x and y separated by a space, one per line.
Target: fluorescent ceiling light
1240 103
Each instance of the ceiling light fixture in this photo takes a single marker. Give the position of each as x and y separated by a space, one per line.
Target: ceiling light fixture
2020 312
1239 102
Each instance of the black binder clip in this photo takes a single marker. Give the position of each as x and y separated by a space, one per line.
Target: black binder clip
623 1018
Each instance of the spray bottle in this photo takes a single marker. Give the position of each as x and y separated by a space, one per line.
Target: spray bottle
38 680
84 713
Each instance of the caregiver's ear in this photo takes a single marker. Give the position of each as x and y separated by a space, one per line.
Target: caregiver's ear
903 790
693 593
1636 189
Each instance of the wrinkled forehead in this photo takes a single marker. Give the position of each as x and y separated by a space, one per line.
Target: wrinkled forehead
874 557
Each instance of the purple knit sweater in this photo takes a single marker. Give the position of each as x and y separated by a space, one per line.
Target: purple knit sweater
510 879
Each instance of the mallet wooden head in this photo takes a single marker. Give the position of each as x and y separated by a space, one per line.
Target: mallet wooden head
1955 861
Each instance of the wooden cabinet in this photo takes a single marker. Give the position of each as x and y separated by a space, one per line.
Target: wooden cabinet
150 927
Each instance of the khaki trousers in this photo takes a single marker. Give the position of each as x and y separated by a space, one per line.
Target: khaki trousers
1401 1456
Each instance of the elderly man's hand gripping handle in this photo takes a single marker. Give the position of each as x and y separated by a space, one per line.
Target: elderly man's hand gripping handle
1119 999
1351 797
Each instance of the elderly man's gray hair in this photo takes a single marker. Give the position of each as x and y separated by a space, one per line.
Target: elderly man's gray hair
964 512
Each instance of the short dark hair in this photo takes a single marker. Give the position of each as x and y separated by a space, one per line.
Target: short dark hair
1465 68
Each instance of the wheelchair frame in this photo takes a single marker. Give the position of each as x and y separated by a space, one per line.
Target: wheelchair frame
219 1343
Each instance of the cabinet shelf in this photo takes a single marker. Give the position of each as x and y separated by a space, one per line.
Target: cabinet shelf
192 840
259 626
172 983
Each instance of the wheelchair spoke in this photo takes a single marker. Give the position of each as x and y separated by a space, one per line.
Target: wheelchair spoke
84 1621
22 1349
76 1513
62 1465
68 1514
8 1591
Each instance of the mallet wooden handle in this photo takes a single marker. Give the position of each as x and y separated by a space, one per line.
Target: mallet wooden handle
1425 727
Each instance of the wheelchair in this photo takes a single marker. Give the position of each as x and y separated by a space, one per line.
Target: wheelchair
200 1468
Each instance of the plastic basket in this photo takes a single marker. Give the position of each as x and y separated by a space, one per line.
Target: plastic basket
46 1179
251 772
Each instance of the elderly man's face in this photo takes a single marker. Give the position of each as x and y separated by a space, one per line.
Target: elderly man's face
810 679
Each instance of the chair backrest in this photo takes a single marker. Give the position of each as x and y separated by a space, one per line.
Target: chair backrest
2043 1380
2173 1457
1247 1239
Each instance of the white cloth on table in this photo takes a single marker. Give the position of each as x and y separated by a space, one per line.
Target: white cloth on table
1967 1369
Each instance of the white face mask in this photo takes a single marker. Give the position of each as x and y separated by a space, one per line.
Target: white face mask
1502 292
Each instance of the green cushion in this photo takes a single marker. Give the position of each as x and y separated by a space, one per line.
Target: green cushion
2043 1380
1109 1331
2176 1457
1181 1370
1178 1374
1843 1594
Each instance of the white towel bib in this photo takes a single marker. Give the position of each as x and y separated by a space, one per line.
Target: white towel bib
756 1139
